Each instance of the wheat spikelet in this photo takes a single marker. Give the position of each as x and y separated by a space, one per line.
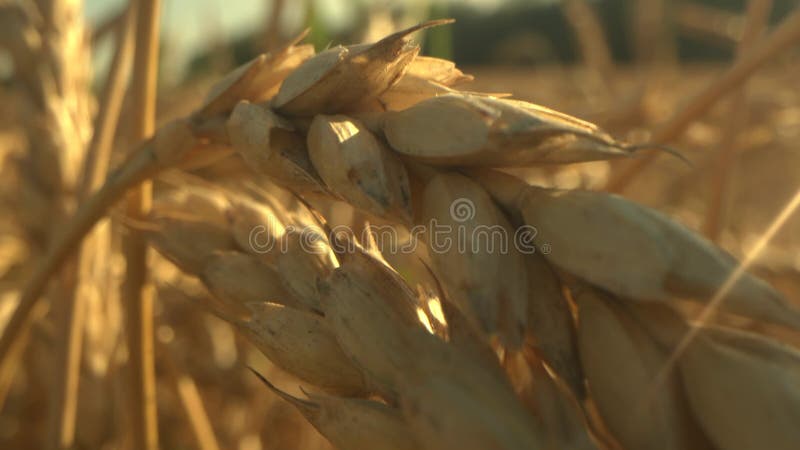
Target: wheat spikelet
353 423
729 385
239 278
640 254
440 387
560 415
256 80
550 321
303 345
491 132
732 377
269 144
359 299
470 268
342 77
622 362
295 339
551 324
354 164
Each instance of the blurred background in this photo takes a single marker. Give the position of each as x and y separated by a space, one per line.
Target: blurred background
645 70
486 32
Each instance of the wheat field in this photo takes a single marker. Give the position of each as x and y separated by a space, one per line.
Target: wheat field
364 247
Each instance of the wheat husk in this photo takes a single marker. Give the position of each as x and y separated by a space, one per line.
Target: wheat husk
342 77
642 255
744 389
305 259
241 279
559 413
302 343
351 423
438 70
189 242
551 325
363 298
271 147
454 399
622 364
256 80
193 201
409 91
447 394
256 227
354 164
488 285
483 131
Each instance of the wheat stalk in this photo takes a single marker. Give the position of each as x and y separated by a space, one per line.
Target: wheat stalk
484 351
785 36
137 292
757 17
53 59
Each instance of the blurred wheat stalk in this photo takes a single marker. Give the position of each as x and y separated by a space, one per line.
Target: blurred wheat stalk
579 345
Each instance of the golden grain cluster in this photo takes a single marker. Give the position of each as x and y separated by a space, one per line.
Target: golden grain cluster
583 346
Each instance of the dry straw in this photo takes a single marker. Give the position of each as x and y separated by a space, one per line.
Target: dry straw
488 349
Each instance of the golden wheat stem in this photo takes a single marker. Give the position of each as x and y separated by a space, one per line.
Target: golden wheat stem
63 87
94 172
29 309
137 292
272 32
591 37
69 315
653 41
98 156
191 401
757 17
786 35
149 159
